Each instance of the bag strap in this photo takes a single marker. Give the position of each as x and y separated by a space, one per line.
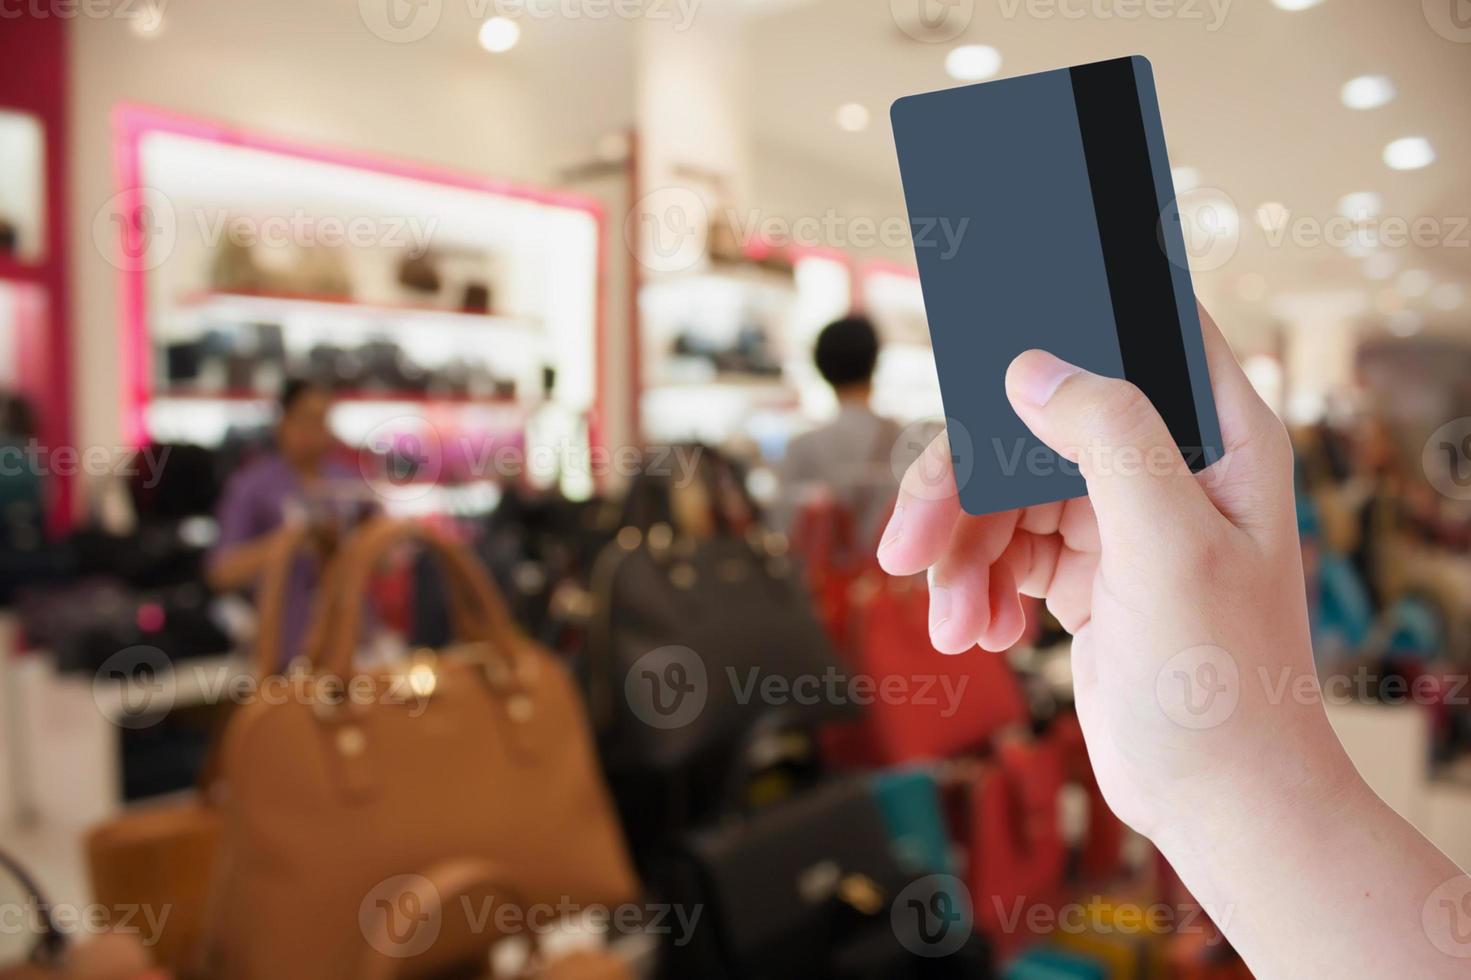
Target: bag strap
51 943
481 612
271 594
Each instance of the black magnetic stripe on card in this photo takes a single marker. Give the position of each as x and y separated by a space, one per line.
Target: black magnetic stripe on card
1140 282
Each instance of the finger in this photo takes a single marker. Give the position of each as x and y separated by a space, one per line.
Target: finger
1007 618
1240 409
1079 525
1246 486
1042 519
925 513
1135 474
1070 593
960 583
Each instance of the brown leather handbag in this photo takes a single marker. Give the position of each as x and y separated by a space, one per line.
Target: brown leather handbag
161 856
481 752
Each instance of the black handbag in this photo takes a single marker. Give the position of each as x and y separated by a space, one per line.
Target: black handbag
798 889
689 631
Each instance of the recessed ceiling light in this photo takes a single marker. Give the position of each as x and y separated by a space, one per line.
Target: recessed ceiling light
972 62
1409 153
1367 92
1185 178
499 34
1414 282
1360 205
852 117
1381 265
1295 4
1447 296
1405 323
1271 215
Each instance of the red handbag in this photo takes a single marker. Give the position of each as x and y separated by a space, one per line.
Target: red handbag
1017 854
935 706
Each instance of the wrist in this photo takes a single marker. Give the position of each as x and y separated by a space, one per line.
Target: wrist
1303 776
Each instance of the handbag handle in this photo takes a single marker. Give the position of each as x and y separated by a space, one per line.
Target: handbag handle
271 592
51 942
482 612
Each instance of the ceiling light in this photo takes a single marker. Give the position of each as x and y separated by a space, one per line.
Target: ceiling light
1409 153
1414 282
1271 216
1447 296
1360 205
1295 4
972 62
499 35
1405 323
1367 92
1380 265
1185 178
852 117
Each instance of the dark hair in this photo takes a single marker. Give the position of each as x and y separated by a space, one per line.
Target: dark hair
847 351
297 388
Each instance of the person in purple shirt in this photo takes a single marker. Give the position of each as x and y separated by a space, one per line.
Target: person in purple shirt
300 482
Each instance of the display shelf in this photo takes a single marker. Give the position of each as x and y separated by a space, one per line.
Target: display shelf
366 395
270 302
263 304
733 311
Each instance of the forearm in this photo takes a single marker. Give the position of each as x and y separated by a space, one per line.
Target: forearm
1302 863
239 567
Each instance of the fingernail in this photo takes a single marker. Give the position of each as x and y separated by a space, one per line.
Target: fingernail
939 609
1036 376
895 529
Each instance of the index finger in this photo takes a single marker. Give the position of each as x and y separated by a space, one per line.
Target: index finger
925 513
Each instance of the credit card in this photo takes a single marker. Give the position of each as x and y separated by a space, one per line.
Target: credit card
1042 211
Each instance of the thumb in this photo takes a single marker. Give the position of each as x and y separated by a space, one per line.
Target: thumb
1136 477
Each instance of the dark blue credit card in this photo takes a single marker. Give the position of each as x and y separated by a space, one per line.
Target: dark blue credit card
1055 196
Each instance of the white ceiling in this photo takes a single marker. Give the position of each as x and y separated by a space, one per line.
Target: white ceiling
1250 100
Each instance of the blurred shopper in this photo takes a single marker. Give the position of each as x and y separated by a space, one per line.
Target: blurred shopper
299 482
847 458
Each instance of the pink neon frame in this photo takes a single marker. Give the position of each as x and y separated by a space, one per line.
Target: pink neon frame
131 123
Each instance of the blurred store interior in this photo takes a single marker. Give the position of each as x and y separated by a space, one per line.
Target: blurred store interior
547 277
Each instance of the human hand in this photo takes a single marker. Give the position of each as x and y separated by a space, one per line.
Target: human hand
1183 592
